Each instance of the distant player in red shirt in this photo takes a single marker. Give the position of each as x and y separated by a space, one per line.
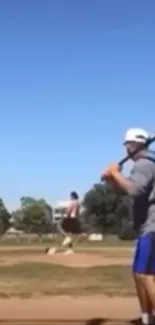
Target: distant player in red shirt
70 225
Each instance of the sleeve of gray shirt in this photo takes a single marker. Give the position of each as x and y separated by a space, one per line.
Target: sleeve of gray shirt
142 177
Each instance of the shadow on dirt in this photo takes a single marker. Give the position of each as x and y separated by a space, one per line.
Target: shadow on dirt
96 321
103 321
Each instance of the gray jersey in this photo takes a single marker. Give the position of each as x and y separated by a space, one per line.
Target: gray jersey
143 193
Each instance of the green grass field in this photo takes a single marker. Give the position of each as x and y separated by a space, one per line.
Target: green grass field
37 279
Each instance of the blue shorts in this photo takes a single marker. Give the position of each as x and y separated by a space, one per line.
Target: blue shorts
144 260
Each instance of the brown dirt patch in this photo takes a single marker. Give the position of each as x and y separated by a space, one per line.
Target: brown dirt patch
87 260
74 260
44 246
79 309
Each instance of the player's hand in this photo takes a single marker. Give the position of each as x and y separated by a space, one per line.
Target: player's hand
110 172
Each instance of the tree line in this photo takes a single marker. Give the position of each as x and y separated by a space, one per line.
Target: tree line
106 211
33 216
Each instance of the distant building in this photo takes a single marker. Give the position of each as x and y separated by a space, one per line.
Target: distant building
13 231
59 211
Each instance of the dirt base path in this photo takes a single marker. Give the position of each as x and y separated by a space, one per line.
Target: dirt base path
71 310
42 248
75 260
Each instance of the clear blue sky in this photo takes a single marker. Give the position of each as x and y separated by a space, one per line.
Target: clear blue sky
74 74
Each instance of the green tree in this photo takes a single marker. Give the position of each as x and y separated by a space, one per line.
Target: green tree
35 215
4 218
106 208
17 217
28 201
124 218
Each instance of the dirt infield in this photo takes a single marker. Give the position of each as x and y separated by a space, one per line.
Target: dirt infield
75 260
63 310
43 247
87 260
16 254
69 309
93 321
